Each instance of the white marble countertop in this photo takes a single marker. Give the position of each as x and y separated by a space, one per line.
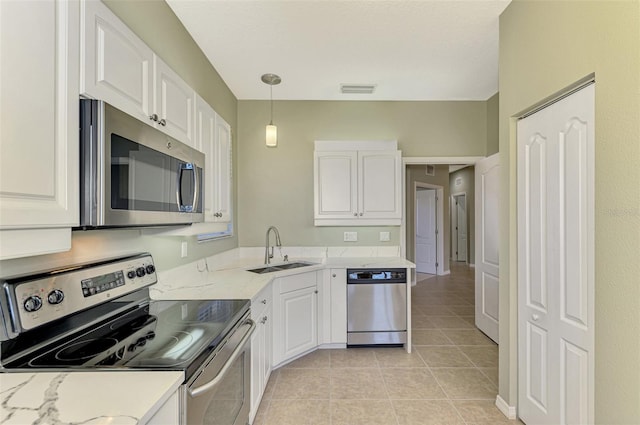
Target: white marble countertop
234 281
95 398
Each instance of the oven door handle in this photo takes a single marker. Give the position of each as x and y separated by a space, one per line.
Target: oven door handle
195 392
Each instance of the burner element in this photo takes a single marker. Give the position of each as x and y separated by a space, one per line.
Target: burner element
86 349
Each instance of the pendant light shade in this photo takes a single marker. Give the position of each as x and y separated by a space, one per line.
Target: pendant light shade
271 134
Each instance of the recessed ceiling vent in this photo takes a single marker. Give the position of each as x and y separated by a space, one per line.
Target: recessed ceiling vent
357 88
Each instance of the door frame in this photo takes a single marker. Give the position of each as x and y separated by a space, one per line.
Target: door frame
424 160
439 221
455 211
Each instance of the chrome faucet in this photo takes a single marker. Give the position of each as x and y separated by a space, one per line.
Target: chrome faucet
269 255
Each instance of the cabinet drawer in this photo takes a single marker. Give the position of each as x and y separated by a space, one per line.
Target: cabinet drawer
298 281
260 302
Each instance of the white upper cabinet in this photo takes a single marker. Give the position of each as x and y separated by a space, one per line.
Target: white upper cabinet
223 171
174 102
38 126
116 65
119 68
213 137
357 183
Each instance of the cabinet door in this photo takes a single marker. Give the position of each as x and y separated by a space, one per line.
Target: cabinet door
222 171
205 142
174 102
169 412
117 65
379 185
39 126
336 185
338 306
268 346
299 325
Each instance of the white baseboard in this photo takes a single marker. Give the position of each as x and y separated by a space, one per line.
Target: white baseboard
444 273
508 411
473 266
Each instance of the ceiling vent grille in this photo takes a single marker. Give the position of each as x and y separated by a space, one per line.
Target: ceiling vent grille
357 88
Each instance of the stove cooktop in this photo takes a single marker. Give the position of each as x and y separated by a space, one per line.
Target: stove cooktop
175 335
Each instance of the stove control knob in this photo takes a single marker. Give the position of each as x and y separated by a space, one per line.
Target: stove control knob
55 297
33 303
131 274
140 271
150 269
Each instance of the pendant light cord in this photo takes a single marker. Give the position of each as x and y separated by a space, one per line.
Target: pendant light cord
271 97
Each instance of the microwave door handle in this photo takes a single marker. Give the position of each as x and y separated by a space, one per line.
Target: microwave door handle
195 188
196 392
182 207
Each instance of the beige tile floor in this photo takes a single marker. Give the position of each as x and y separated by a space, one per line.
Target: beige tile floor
449 378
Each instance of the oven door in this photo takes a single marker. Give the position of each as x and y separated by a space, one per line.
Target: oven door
220 393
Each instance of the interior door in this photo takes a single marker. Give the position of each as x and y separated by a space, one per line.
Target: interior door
487 192
460 226
555 150
426 231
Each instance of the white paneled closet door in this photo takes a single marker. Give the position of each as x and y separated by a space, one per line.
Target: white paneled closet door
555 166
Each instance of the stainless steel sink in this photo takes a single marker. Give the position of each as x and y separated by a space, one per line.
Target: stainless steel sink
280 267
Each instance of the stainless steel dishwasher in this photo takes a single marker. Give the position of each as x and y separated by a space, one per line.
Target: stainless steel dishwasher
376 307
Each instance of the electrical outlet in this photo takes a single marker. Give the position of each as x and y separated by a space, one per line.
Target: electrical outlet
351 236
385 237
184 249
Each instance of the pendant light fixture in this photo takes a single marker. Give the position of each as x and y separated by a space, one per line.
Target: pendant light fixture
272 130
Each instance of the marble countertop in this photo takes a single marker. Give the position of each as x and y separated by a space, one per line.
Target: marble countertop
234 281
95 398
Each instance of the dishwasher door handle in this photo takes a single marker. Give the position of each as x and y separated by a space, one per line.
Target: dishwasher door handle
195 392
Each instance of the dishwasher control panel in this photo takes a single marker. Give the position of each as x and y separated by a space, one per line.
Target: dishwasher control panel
376 276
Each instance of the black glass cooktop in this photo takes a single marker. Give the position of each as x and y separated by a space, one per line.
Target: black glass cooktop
176 335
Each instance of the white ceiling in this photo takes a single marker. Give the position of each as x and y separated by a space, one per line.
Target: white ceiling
411 50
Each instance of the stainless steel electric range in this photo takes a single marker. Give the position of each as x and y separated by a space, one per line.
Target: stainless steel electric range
99 316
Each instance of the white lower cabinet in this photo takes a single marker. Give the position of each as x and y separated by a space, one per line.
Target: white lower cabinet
169 412
296 316
338 309
261 346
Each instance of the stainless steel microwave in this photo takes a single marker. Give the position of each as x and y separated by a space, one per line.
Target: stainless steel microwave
133 175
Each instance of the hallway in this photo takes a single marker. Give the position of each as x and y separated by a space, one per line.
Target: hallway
451 376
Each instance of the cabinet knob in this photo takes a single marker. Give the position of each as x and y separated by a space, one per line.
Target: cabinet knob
535 317
153 117
162 122
355 214
316 291
333 275
264 320
360 214
264 301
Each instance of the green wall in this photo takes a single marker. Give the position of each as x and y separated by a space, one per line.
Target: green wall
275 185
493 106
546 46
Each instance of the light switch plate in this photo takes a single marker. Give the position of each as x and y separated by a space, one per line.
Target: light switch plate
351 236
385 237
